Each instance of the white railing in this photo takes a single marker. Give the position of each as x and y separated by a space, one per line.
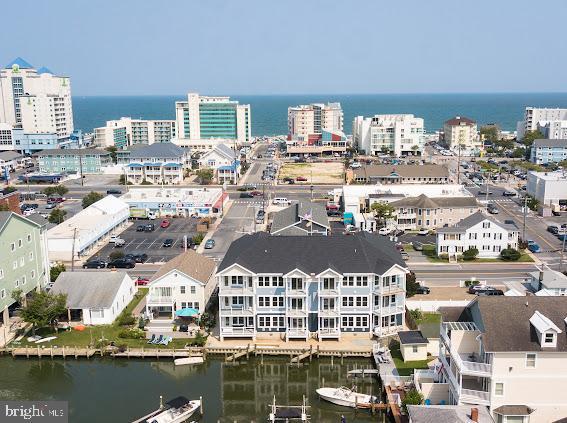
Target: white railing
230 330
472 367
470 395
158 299
328 293
329 313
293 312
329 331
392 309
235 290
236 311
388 289
296 292
297 332
445 336
447 369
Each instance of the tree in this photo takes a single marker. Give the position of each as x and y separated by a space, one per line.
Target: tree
411 285
383 211
530 136
115 255
58 189
205 175
412 397
112 150
17 295
55 271
510 254
533 203
43 308
57 216
518 153
490 132
122 180
91 198
4 207
470 254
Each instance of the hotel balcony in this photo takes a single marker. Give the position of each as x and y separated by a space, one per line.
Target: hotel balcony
469 364
466 389
296 292
392 309
329 313
236 311
332 293
158 300
392 289
297 333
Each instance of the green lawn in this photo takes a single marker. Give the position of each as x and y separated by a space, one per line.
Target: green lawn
429 318
407 368
524 258
142 292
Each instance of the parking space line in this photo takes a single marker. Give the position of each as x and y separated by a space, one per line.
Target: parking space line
141 243
174 242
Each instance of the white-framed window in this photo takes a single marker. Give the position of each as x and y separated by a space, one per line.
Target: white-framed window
20 243
33 274
414 348
263 301
29 237
1 273
17 283
549 338
13 246
31 255
24 279
97 313
531 360
182 289
193 290
499 389
277 301
22 261
2 294
15 264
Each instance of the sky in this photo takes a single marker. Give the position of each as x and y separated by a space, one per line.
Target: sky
167 47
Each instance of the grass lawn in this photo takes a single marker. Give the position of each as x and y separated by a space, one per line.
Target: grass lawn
429 318
524 258
407 368
408 247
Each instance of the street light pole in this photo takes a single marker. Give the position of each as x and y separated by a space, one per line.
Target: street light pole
525 212
562 252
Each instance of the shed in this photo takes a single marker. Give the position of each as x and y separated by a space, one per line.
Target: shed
413 345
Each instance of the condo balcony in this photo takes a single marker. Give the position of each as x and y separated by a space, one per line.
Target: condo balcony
297 332
237 331
328 293
329 332
235 290
236 311
391 309
296 312
390 289
158 300
330 312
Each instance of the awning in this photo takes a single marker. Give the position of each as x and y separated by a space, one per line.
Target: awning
135 165
152 164
220 201
172 165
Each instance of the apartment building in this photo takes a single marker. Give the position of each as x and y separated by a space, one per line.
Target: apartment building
24 264
35 100
224 162
534 115
205 121
478 231
311 119
160 163
299 287
399 174
125 132
71 160
402 135
460 134
549 188
506 353
548 151
553 129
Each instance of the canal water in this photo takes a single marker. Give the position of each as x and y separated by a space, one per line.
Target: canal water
122 390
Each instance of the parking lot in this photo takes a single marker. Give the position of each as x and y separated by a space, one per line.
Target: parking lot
151 243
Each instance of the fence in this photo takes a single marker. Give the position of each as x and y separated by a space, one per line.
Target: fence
433 306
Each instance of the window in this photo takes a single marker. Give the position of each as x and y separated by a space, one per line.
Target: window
182 289
17 283
263 281
15 264
348 281
1 273
414 348
97 313
263 301
549 338
193 290
196 305
531 360
31 255
3 294
486 225
32 274
20 243
23 280
13 246
499 388
22 261
277 301
29 237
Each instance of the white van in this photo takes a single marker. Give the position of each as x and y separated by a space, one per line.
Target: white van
282 201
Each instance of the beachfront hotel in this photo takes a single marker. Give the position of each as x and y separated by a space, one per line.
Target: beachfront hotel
206 121
402 135
460 134
312 119
126 132
302 287
35 100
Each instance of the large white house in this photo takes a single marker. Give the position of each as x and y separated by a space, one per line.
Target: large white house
461 135
224 162
186 281
159 163
95 298
478 231
301 287
505 353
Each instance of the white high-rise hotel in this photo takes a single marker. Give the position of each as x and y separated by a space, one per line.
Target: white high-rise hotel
311 119
35 100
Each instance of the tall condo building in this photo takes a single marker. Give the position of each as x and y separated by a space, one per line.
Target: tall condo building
402 135
126 132
460 134
534 115
312 119
205 121
35 100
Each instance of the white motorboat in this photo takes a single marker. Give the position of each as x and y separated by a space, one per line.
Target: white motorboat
346 397
188 360
176 410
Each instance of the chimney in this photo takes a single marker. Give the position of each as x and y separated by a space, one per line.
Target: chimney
474 414
540 279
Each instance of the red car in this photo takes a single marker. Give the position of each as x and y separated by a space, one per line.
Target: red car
256 193
142 281
301 179
165 223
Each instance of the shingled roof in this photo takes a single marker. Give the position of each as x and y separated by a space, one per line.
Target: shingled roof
193 264
425 202
284 219
475 219
360 253
405 171
460 120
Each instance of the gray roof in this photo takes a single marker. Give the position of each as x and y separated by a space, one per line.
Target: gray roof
9 155
89 289
405 171
159 150
359 253
225 150
475 219
6 215
549 143
72 152
295 214
514 410
37 218
447 414
505 321
425 202
412 337
551 278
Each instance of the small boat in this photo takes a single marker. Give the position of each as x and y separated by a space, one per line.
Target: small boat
347 397
188 360
288 413
49 338
176 410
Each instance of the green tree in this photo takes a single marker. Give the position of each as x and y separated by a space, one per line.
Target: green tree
91 198
490 132
115 255
43 308
533 203
55 271
412 397
57 216
4 207
411 285
205 176
122 180
112 150
17 295
9 189
530 136
383 211
470 254
518 153
510 254
58 189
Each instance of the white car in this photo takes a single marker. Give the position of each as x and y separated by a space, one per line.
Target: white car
385 231
423 231
115 239
355 165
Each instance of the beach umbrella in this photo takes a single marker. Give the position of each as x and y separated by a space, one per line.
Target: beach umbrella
187 312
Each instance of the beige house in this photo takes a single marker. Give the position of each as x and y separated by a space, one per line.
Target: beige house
461 135
432 213
399 174
506 353
413 345
186 281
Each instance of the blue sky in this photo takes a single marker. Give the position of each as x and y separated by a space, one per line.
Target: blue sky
111 47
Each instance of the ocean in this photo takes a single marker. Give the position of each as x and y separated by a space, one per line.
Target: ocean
269 113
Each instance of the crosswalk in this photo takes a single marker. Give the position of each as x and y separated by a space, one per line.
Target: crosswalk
250 203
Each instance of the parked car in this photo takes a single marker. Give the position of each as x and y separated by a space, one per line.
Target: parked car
489 292
150 227
167 243
301 179
246 195
113 191
94 264
140 228
56 199
492 209
119 243
553 229
138 257
142 281
483 192
384 231
405 256
257 193
282 201
260 216
509 193
115 238
533 246
398 232
422 290
417 246
165 224
121 263
423 232
473 289
209 244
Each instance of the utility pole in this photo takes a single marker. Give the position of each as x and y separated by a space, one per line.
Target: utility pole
73 250
562 252
81 167
525 213
459 165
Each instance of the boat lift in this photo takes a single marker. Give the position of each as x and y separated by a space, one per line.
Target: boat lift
289 413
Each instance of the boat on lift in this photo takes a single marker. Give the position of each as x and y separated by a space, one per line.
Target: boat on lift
347 397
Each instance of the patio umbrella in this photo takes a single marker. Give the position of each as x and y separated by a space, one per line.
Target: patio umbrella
187 312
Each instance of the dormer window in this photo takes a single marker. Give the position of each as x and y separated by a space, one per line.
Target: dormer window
546 330
549 338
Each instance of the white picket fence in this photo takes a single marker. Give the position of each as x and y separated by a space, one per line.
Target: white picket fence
432 306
